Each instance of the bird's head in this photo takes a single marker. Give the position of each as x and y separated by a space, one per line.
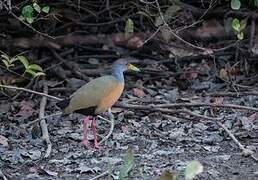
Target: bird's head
124 65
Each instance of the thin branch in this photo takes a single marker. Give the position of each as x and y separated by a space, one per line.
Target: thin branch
31 91
2 175
234 94
39 119
245 151
157 107
112 125
43 124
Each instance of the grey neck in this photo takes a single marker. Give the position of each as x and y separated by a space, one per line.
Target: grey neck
118 74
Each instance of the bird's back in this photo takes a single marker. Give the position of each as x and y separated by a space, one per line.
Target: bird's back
94 97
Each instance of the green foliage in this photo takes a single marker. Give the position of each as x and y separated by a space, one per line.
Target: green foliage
238 28
29 10
193 169
37 7
128 164
27 13
33 69
129 27
235 4
235 23
8 61
45 9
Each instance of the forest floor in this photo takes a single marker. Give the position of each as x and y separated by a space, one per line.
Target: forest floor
160 141
196 97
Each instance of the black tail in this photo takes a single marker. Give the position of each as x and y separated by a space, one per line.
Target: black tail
63 104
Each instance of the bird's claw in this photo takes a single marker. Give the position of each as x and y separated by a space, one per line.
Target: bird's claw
97 146
87 145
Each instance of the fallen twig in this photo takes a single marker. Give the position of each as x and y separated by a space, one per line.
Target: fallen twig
43 124
2 175
157 107
112 125
41 118
234 94
31 91
245 151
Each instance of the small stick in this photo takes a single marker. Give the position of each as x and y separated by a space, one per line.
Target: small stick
100 175
112 125
31 91
43 124
39 119
176 105
245 151
2 175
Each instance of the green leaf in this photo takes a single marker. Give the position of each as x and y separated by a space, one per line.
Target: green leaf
24 61
33 73
27 11
193 169
35 67
39 74
235 4
5 57
13 59
6 63
240 35
236 24
45 9
128 164
29 19
36 7
129 27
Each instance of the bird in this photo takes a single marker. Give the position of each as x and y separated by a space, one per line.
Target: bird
96 97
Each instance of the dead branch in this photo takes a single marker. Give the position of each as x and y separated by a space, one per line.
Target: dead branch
43 124
2 175
31 91
157 107
245 151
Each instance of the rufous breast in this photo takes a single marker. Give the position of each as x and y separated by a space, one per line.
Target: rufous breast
110 98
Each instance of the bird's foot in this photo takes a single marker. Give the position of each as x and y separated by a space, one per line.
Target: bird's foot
97 145
86 144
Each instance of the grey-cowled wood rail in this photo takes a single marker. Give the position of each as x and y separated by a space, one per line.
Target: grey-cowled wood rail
97 96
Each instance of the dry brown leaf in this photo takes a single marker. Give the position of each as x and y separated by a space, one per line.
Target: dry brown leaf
223 74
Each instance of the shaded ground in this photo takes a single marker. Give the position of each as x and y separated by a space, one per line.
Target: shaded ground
199 60
160 141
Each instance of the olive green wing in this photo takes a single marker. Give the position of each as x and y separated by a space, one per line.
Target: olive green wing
90 94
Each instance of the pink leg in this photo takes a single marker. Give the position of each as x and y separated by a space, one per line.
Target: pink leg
93 127
85 141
